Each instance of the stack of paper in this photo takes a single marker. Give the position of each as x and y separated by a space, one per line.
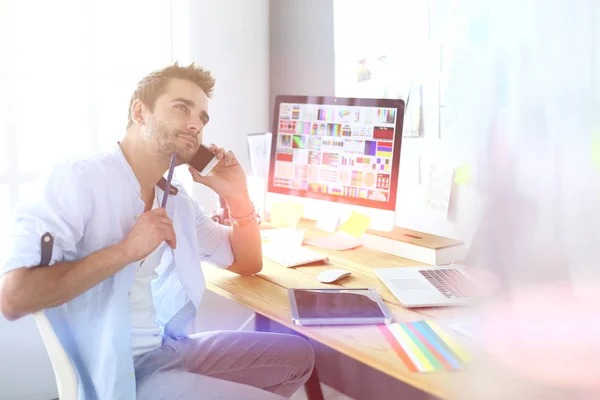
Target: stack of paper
424 346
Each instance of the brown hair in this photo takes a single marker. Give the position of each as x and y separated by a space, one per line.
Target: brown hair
153 85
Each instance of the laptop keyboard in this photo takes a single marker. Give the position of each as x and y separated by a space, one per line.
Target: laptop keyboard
451 282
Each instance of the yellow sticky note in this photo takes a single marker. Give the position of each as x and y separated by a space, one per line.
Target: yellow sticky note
356 225
286 214
595 148
462 175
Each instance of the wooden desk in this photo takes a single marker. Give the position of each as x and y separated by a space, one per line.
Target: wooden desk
266 294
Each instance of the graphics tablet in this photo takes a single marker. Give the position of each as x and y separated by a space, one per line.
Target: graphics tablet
337 307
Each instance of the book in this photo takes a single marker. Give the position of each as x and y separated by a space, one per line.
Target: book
414 245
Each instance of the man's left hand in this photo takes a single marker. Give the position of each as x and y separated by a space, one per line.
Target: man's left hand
227 178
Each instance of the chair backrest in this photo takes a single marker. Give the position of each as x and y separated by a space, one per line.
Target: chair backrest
64 372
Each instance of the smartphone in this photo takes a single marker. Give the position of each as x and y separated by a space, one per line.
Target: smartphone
204 161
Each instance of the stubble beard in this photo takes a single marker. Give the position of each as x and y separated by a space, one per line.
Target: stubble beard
164 138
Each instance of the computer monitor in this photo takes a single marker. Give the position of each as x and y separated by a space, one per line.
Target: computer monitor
337 155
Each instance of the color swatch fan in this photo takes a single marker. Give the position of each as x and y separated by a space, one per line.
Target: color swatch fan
424 346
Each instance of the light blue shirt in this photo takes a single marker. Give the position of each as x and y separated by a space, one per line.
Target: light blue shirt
87 205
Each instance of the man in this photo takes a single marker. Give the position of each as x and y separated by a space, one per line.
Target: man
119 277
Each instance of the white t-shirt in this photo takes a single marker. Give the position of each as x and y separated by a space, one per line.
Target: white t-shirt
145 331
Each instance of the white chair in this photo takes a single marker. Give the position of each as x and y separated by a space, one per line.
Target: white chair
64 372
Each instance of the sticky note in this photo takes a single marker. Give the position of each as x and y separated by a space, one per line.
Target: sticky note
462 175
595 148
356 225
286 214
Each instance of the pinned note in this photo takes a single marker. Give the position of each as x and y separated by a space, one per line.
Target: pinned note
595 148
286 214
439 190
356 225
462 175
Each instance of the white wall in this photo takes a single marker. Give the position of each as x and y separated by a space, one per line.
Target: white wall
231 38
25 370
301 48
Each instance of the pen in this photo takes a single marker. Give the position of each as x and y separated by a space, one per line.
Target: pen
169 177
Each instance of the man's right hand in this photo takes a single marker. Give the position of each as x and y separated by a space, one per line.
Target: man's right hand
148 233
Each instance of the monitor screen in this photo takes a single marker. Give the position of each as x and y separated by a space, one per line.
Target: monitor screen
337 149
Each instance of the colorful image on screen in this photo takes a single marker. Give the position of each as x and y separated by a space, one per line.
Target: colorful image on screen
336 150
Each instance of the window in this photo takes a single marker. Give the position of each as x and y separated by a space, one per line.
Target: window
67 72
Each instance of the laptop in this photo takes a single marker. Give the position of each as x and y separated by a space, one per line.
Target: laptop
428 286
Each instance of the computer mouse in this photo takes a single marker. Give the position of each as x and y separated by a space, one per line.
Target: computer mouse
332 275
